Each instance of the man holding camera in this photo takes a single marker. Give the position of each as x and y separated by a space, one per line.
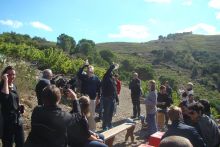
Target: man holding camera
90 85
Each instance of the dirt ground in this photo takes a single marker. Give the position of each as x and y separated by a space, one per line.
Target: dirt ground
125 111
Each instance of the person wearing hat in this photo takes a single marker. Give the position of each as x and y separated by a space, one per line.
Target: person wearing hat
189 88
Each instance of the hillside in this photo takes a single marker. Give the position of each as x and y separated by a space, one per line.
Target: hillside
184 42
178 58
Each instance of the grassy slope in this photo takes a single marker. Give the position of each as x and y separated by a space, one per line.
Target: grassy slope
209 43
189 42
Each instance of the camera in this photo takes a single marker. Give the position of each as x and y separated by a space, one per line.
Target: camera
21 109
65 89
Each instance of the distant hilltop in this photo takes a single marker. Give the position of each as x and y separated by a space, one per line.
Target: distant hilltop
174 36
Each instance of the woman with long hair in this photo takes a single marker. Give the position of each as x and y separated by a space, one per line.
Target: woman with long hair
79 133
11 110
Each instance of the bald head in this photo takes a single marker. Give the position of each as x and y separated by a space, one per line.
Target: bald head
47 74
175 141
135 75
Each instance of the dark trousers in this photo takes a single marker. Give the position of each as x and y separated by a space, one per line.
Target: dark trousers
136 106
13 133
108 106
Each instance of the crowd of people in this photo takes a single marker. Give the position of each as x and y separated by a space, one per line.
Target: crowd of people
52 127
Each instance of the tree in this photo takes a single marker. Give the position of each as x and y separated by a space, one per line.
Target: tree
67 43
194 73
107 55
161 37
85 47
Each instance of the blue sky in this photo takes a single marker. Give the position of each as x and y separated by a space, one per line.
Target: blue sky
109 20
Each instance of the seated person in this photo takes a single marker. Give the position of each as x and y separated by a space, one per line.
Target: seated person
163 102
184 108
175 141
206 106
49 123
79 134
178 128
207 127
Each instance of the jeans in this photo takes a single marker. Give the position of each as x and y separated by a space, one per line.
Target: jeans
151 122
108 106
96 143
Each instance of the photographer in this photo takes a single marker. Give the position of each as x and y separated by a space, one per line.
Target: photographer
49 123
90 85
11 110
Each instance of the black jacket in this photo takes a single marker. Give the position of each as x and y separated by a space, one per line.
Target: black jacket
39 89
10 106
163 98
180 129
80 135
49 126
135 87
109 88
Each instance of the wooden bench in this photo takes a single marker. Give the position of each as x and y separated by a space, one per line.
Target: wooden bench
111 133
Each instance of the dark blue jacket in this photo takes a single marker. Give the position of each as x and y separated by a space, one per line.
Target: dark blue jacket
89 85
109 88
178 128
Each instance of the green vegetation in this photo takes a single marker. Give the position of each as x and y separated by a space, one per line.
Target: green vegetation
178 58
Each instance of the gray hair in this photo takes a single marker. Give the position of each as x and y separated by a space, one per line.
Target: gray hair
47 73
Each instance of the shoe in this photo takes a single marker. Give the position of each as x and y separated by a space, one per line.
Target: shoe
133 117
105 129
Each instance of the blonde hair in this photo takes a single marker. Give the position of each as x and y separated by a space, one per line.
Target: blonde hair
175 113
152 85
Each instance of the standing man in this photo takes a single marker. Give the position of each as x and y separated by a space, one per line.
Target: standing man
90 85
151 108
135 87
44 82
109 97
168 89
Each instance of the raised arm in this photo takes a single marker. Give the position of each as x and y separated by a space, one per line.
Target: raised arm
5 88
80 72
108 72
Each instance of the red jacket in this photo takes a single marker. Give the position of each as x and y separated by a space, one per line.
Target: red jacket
118 86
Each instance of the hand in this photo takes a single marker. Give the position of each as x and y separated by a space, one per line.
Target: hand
86 63
5 77
71 94
100 140
116 65
97 101
96 135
